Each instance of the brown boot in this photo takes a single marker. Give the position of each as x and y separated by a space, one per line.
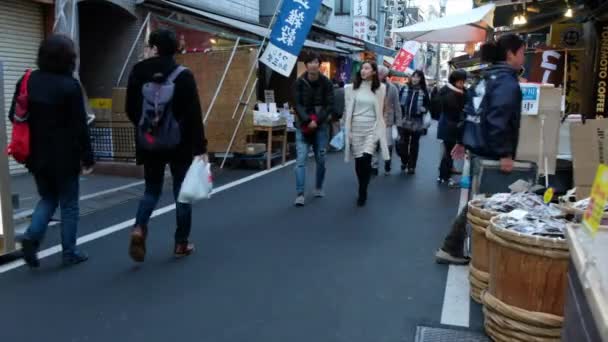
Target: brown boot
137 248
183 249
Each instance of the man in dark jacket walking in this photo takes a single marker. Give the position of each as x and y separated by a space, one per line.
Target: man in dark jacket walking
187 111
314 107
498 98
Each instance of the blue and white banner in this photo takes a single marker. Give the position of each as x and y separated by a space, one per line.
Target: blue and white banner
289 34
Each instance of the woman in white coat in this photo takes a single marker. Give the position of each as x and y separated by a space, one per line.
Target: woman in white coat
364 124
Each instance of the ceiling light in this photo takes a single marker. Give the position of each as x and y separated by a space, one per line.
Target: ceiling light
568 13
213 41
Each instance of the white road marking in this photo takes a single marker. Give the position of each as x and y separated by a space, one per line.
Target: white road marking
129 223
456 308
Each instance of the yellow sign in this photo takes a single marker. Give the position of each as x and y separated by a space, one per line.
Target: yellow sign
100 103
548 195
599 195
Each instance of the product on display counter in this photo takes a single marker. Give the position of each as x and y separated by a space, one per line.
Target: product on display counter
529 202
535 226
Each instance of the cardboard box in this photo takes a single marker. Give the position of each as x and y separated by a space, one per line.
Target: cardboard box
119 100
589 149
529 148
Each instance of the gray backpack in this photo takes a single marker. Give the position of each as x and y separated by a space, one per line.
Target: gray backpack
158 130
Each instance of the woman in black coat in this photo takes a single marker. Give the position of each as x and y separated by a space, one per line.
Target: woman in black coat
60 146
451 104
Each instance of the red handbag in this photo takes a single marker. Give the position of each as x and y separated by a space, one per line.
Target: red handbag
19 147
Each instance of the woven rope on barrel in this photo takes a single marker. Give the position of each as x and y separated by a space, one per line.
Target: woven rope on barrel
479 275
474 208
549 253
509 325
528 240
474 220
500 334
535 319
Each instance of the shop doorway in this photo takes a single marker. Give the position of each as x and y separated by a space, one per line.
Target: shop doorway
107 31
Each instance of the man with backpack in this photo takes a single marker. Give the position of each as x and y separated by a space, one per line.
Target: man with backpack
163 104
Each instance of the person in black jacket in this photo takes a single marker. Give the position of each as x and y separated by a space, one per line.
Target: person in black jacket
314 108
60 146
450 104
500 119
187 112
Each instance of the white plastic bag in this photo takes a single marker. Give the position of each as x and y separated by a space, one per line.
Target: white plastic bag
427 120
198 183
395 133
337 141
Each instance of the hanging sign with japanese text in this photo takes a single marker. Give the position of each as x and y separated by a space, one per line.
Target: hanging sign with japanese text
289 34
406 56
530 98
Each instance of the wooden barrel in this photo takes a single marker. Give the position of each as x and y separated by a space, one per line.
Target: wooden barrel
479 219
528 277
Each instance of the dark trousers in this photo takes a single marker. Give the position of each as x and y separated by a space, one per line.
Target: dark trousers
454 242
62 193
154 173
363 168
409 145
447 163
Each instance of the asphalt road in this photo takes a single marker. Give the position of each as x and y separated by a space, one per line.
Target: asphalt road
263 271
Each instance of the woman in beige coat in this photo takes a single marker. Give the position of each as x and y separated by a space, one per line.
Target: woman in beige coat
364 124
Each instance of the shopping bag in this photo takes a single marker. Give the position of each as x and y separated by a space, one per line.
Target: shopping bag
395 133
427 120
337 141
198 182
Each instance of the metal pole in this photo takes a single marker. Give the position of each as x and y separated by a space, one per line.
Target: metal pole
255 62
238 125
219 87
7 232
124 67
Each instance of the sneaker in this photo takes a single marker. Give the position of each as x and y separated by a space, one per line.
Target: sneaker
403 168
137 248
387 173
183 249
442 257
29 248
411 171
453 184
74 258
319 193
440 181
300 201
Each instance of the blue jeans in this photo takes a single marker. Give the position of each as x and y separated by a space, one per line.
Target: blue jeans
319 145
54 192
154 174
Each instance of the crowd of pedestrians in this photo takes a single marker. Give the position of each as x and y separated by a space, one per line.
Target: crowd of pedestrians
376 116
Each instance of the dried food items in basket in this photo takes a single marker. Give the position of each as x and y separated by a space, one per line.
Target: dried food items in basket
535 226
529 202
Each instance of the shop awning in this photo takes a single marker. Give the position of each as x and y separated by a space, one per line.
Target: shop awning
379 49
244 26
469 27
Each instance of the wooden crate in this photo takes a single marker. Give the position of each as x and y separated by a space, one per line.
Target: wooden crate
208 69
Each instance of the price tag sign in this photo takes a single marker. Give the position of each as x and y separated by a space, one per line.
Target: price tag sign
548 195
599 195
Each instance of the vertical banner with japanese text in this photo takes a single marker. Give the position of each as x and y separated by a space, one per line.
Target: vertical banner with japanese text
601 77
406 55
289 34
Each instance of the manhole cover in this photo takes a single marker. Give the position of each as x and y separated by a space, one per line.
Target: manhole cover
427 334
